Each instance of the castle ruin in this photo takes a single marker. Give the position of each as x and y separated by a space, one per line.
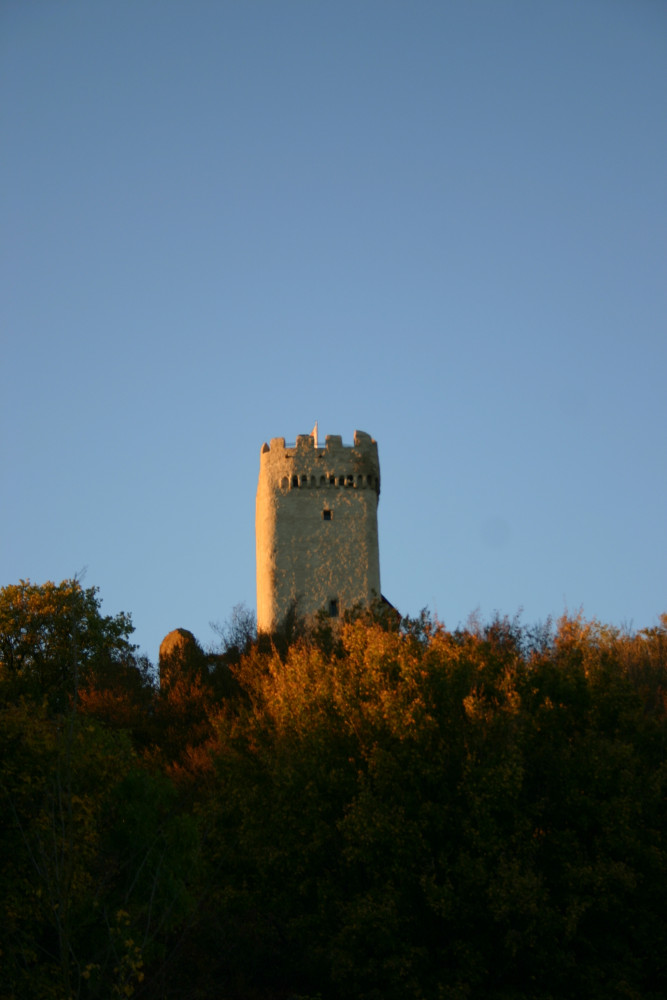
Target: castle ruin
316 527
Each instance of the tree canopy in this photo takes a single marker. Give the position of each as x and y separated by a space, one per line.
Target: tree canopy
382 811
54 636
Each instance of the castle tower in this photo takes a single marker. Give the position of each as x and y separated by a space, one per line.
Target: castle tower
316 527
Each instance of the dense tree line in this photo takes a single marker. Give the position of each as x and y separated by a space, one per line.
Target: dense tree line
389 810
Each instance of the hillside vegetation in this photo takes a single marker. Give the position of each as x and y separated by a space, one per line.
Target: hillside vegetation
393 811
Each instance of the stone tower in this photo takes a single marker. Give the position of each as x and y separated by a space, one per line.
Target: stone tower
316 527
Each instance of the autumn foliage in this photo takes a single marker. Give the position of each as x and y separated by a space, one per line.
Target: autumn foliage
393 810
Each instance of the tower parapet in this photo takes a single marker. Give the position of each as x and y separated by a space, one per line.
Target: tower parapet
336 464
316 527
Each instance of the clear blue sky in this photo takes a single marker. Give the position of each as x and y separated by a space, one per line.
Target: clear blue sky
443 223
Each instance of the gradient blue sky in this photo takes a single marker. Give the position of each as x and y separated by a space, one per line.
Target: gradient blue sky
443 223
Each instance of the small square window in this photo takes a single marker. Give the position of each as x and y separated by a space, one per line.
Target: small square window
326 515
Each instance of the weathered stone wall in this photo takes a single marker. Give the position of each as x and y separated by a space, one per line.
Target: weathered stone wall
316 527
180 653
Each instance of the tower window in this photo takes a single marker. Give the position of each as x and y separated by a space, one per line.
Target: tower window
326 515
333 607
295 481
332 480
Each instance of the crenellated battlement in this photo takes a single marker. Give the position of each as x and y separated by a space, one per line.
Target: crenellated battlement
303 465
334 442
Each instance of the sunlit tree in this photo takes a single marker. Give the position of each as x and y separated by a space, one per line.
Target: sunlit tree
54 637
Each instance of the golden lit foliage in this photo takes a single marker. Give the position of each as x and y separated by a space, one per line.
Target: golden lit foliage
426 813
